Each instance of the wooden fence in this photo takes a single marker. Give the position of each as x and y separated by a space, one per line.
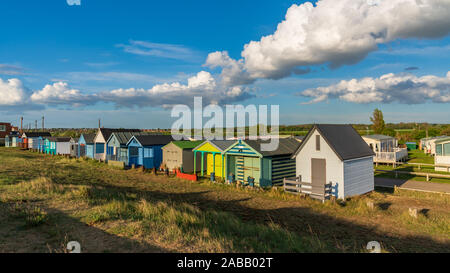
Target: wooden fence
427 175
298 187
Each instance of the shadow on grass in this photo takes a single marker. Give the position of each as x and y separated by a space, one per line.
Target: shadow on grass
337 234
54 234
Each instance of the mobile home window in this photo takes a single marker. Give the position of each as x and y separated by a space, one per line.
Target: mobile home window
447 149
2 128
317 143
439 149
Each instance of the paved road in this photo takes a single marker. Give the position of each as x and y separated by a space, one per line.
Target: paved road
412 185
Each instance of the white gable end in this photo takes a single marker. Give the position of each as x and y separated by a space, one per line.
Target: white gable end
334 165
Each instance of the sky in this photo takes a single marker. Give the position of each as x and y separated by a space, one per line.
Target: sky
129 62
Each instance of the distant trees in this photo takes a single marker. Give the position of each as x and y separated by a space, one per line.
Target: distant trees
378 124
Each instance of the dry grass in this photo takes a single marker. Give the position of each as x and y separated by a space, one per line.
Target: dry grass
110 210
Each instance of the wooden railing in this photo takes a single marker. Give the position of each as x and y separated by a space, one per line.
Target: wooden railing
427 175
298 187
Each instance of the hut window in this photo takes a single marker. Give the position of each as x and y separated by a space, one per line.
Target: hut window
99 148
318 143
148 152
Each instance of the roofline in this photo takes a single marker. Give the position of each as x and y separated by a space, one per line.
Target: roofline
209 141
136 140
239 141
331 146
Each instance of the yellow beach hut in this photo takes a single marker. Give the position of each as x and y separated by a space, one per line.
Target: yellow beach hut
212 157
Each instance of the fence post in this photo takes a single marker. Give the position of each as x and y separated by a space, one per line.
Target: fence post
428 177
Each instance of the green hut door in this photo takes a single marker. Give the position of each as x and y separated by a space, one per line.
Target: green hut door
252 168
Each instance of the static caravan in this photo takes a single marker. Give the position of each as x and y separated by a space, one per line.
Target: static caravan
428 144
5 130
386 149
338 155
179 155
146 150
86 145
212 157
101 138
74 147
442 158
248 159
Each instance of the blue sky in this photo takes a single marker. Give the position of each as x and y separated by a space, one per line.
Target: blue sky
103 46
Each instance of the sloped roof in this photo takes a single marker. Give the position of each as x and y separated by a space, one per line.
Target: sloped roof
59 139
149 140
124 137
223 144
37 134
378 137
185 144
343 139
286 146
106 132
89 138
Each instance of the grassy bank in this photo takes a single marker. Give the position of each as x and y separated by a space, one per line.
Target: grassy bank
46 201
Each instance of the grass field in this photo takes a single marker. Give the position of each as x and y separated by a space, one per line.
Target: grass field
46 201
416 156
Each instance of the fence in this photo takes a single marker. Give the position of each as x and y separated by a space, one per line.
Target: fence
427 175
296 186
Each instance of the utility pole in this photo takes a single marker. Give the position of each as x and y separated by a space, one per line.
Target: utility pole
99 124
35 125
43 127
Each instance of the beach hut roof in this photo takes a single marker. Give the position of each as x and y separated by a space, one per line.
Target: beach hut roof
343 139
286 146
89 138
150 140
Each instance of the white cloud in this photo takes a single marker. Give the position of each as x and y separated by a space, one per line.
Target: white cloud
160 50
402 88
12 92
60 93
335 33
73 2
167 94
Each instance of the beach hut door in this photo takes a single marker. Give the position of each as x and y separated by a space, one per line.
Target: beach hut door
318 173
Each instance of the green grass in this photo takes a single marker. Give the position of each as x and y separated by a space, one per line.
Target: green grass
417 156
50 200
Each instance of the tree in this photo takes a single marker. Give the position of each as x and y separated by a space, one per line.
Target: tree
378 121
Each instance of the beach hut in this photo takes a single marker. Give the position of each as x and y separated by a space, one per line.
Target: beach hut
34 140
179 154
12 139
116 145
338 155
247 161
58 145
74 147
101 138
212 157
442 158
146 150
86 145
